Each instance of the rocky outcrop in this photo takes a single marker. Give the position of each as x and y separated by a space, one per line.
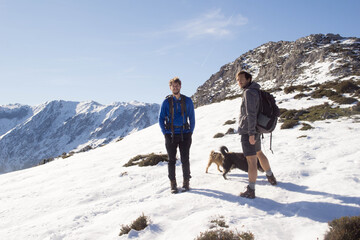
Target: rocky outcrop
315 58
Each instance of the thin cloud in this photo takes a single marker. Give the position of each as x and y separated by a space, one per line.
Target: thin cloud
211 24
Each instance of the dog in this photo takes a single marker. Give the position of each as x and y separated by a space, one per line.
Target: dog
216 158
235 160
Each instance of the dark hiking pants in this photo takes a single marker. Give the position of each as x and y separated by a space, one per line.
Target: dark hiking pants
184 144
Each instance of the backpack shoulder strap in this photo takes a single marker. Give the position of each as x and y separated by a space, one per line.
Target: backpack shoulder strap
170 99
260 100
183 105
171 105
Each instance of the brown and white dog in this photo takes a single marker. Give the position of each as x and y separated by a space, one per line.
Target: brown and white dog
235 160
216 158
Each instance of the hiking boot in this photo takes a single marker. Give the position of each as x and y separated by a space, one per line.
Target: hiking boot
186 186
173 186
249 193
271 179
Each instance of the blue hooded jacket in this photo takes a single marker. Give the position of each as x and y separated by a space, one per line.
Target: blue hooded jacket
178 119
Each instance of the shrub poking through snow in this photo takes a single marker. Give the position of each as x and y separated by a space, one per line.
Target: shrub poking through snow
230 122
139 224
348 86
219 135
222 234
356 108
46 160
225 235
151 159
125 229
340 99
323 93
306 127
300 88
289 124
230 131
345 228
300 95
218 222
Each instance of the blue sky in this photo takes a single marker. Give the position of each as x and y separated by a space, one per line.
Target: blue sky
124 50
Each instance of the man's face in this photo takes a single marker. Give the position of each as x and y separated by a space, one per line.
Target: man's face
175 88
242 81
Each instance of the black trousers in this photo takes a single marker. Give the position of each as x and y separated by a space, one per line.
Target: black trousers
184 144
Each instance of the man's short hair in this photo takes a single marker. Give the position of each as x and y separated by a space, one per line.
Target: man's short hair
175 80
247 75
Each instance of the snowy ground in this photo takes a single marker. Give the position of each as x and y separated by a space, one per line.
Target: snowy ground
90 195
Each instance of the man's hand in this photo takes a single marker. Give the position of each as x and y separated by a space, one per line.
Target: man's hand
252 139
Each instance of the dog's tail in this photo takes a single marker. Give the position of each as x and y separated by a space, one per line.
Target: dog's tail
224 150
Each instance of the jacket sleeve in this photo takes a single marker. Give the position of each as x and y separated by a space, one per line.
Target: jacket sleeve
162 114
251 106
191 114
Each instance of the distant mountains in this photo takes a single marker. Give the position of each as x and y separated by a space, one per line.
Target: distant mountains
30 134
316 58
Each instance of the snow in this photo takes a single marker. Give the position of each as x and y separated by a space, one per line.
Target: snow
91 195
317 72
349 41
287 101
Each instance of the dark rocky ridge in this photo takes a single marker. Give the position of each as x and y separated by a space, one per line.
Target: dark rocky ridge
285 63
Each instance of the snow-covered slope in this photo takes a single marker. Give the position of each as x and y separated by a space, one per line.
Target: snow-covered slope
90 195
30 134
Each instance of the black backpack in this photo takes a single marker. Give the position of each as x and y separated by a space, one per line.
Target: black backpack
268 113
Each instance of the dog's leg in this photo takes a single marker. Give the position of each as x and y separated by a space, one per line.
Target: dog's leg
219 168
209 163
225 172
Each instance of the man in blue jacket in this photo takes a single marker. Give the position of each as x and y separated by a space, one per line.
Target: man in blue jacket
177 123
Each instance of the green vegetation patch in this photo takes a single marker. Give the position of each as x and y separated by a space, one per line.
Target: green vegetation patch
299 88
319 112
291 118
348 86
323 93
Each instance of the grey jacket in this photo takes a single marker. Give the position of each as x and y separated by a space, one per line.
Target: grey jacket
249 109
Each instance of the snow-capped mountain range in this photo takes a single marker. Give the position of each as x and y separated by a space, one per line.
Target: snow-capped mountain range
30 134
317 58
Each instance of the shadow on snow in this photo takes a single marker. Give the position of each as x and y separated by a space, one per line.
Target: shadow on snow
317 211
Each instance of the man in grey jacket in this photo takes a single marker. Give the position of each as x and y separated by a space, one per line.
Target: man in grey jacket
250 138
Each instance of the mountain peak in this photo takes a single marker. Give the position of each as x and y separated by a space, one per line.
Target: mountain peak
316 58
